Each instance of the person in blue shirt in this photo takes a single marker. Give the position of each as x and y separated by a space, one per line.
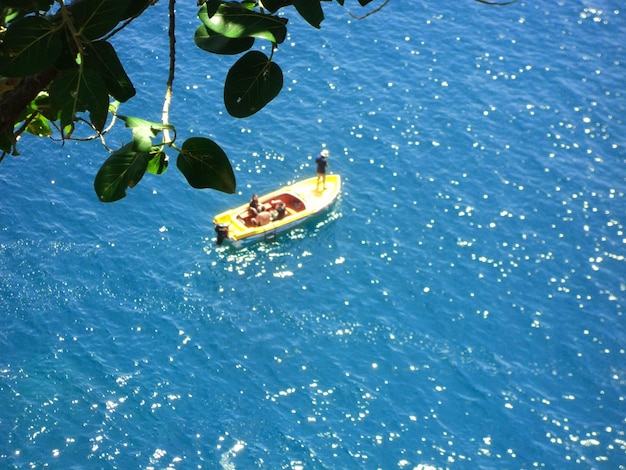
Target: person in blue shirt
322 163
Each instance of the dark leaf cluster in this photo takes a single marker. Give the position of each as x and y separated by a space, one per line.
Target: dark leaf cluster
58 70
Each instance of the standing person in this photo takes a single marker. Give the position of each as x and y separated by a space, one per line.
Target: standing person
322 163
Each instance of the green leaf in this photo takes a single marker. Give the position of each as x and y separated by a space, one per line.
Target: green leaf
29 46
158 164
236 21
102 58
95 18
39 126
142 141
68 58
211 7
274 5
74 92
123 169
215 43
251 83
63 97
155 127
143 132
28 5
311 11
42 104
205 165
7 142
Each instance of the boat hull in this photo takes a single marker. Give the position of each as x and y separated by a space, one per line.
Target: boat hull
302 200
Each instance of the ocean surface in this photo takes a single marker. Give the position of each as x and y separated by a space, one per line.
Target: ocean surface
462 307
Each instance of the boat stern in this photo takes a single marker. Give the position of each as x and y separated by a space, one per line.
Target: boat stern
221 229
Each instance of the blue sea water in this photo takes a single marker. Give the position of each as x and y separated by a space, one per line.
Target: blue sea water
461 307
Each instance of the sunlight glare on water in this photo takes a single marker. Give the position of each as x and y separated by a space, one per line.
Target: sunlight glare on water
462 305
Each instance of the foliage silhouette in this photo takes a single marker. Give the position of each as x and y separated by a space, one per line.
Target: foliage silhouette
58 72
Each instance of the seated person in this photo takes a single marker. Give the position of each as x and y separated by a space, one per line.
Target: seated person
255 207
278 209
263 218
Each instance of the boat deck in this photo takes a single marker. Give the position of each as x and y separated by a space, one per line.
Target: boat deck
292 203
301 199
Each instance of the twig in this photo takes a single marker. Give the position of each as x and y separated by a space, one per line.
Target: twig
129 20
371 12
497 4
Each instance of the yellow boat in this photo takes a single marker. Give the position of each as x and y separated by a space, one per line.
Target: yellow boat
288 206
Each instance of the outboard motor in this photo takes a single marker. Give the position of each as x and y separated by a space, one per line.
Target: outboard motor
222 232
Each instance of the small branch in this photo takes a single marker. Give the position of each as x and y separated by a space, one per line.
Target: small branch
496 4
129 20
371 12
165 117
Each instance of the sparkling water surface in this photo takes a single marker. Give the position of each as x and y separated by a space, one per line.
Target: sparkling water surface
461 307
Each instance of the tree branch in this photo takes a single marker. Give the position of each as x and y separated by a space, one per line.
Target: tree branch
15 101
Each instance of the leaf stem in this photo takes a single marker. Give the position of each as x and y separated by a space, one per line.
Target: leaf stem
170 78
